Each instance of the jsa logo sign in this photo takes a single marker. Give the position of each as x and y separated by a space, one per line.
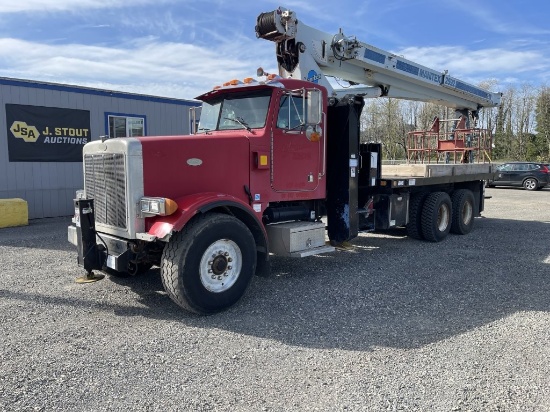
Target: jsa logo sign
45 134
67 135
22 130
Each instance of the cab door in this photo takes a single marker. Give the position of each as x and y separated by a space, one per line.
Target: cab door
297 146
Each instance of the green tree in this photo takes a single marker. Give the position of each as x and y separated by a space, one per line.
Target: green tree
542 114
504 138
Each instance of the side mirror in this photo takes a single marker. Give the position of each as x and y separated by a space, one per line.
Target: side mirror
192 120
314 106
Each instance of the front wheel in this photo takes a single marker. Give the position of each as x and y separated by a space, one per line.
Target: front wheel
530 184
207 266
436 216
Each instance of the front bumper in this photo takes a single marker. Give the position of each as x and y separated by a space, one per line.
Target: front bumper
114 253
72 235
96 250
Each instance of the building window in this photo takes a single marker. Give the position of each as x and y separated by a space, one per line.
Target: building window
126 126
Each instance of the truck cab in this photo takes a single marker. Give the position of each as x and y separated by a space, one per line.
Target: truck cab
283 122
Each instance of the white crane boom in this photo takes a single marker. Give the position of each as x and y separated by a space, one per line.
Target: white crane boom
309 54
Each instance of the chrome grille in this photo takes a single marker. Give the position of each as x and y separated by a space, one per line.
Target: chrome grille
105 182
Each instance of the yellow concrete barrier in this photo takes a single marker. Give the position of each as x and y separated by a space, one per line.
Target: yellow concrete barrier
13 212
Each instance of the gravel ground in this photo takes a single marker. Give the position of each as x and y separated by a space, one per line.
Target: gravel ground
394 324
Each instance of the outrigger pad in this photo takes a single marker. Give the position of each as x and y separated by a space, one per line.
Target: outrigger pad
89 278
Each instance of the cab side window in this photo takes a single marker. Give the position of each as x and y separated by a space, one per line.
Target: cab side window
291 114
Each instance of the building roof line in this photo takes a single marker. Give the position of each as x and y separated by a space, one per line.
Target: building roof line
35 84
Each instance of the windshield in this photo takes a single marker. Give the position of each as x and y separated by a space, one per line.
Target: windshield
243 110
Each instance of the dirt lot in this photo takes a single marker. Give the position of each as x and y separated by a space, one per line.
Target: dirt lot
394 324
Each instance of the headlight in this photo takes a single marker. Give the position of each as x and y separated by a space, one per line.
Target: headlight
161 206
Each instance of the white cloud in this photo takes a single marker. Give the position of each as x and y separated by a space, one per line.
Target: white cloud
146 65
183 70
491 61
67 5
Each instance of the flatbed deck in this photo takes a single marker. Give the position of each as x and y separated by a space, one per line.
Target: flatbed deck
403 175
434 169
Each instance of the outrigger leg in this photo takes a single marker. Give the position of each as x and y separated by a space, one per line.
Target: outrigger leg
89 254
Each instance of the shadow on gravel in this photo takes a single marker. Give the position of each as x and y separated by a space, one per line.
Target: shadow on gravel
400 292
387 291
49 234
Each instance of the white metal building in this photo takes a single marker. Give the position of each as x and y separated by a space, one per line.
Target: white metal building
43 127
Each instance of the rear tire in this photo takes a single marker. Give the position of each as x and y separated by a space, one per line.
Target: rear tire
208 266
463 212
414 227
530 184
436 217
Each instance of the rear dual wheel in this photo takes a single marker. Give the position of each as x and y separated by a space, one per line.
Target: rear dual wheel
433 215
414 227
463 212
436 216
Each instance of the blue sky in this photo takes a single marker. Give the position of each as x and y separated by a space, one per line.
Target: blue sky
181 48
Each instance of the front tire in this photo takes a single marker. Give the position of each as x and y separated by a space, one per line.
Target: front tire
208 266
436 217
530 184
463 212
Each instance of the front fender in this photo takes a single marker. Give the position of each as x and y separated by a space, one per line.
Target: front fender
189 206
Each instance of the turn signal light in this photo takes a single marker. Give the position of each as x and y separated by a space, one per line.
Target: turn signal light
170 206
315 137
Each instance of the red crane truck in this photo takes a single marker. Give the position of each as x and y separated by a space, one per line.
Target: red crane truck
275 166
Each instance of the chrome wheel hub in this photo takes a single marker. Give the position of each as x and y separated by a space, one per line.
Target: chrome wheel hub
220 265
467 213
443 217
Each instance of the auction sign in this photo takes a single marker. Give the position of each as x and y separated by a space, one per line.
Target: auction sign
46 134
